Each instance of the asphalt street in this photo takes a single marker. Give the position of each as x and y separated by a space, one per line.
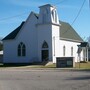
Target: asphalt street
16 79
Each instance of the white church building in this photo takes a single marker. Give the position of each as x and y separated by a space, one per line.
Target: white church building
42 37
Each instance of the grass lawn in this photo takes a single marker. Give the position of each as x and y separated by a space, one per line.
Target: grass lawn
43 66
27 65
77 66
83 65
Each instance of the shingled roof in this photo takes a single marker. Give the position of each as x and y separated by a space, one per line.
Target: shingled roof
14 33
66 32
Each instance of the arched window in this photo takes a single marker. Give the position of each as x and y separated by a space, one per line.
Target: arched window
71 51
45 45
45 51
64 50
21 49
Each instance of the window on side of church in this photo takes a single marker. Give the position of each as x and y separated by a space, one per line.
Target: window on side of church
45 45
71 51
64 50
21 49
55 16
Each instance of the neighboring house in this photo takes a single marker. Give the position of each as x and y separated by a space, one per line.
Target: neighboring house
1 56
42 37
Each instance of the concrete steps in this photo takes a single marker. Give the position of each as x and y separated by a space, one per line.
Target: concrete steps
49 63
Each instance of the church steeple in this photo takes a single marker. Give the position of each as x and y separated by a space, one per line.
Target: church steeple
48 14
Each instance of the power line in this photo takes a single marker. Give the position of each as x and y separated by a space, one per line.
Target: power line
13 16
55 4
78 12
24 13
76 16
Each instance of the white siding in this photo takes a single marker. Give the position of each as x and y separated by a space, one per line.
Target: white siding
33 33
27 35
44 34
58 49
55 42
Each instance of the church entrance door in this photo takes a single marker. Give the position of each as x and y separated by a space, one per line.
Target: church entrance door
45 55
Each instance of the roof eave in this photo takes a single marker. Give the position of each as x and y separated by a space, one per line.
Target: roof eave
72 40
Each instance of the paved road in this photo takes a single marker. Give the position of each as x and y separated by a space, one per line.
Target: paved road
15 79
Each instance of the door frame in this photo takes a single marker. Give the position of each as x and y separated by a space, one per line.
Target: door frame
47 55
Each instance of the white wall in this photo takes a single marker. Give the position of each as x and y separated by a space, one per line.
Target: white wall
48 28
68 45
33 35
55 41
27 35
44 34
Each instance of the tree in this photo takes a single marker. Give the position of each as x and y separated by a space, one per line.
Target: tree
1 46
88 40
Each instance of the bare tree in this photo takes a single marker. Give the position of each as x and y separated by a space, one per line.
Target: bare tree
88 40
1 44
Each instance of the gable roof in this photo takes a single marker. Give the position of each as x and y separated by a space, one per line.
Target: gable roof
14 33
36 14
66 32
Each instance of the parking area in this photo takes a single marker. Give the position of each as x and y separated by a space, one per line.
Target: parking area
28 79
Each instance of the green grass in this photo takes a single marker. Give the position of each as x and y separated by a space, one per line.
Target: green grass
77 65
28 65
85 65
42 66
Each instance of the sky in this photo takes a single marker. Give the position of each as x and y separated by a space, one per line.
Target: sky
13 12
